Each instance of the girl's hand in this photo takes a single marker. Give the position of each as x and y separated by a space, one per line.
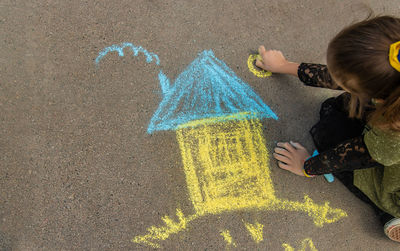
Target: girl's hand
274 61
291 157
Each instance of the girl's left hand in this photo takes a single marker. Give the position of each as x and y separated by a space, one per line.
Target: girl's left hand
291 157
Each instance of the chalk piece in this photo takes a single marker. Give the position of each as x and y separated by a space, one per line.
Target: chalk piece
329 177
315 153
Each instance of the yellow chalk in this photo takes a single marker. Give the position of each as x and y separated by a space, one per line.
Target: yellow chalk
162 233
220 119
304 244
226 165
257 72
256 231
228 238
225 161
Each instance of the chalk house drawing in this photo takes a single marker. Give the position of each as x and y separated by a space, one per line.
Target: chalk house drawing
217 118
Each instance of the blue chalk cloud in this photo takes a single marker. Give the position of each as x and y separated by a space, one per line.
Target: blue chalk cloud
135 51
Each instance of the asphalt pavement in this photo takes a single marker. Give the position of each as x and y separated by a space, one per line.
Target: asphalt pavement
83 81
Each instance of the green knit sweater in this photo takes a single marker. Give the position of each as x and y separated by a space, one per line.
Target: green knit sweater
382 185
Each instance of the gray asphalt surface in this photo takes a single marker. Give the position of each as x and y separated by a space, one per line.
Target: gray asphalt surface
78 170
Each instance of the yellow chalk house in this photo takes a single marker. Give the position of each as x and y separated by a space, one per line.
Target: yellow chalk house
223 150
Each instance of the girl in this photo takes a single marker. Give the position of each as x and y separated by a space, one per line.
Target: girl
358 135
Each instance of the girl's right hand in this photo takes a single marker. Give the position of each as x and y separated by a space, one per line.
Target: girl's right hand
274 61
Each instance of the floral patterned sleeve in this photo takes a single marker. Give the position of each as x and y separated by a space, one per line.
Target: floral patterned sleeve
316 75
350 155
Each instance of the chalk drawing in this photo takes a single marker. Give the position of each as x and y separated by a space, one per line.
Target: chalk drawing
135 50
306 243
217 119
256 231
162 233
254 69
207 88
228 238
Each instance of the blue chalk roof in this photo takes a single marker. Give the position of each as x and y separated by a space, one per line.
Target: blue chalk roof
206 88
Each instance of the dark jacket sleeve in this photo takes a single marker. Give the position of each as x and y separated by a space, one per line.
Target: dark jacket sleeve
349 155
316 75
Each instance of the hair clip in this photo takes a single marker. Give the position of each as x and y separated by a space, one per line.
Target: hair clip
394 55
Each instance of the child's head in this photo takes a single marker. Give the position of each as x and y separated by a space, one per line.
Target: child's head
358 60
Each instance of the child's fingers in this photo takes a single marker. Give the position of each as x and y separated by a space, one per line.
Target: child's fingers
261 50
282 151
259 63
282 158
284 166
297 145
287 146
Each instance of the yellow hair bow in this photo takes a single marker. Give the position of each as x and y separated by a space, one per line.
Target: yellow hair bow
394 55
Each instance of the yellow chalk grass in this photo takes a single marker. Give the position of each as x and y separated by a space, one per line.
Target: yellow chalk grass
162 233
226 167
306 245
228 238
256 231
